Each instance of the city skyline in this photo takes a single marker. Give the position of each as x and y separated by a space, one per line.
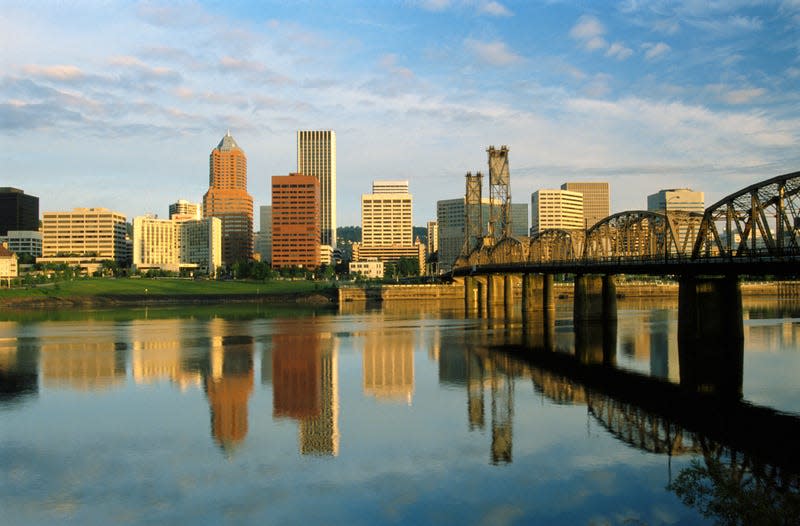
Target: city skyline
662 95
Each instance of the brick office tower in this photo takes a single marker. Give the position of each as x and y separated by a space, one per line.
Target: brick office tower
227 199
295 221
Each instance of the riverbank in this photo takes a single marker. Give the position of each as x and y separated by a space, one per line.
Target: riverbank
109 292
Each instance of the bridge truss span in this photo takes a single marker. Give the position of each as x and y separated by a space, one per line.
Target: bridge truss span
760 220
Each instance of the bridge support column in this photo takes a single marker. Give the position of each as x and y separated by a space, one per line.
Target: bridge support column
482 296
595 318
508 294
470 295
494 294
711 335
538 311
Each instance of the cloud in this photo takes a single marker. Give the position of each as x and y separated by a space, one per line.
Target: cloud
736 96
654 51
58 72
494 53
619 51
434 5
589 31
495 9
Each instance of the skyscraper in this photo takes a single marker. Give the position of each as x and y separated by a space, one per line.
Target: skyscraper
183 209
386 215
18 210
227 199
316 156
295 221
596 200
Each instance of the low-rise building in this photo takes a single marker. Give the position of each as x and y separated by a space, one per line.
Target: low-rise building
173 246
371 268
8 264
24 242
83 237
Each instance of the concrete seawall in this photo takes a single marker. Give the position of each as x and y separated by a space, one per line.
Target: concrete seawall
436 292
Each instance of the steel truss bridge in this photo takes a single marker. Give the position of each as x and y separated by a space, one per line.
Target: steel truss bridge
754 231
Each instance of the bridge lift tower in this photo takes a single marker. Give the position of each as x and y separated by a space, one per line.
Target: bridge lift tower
499 194
473 211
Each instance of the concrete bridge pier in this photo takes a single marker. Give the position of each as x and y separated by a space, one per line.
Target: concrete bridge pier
495 288
538 311
508 294
595 298
711 335
595 318
482 296
470 295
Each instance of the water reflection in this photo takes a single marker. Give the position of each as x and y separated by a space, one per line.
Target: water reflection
502 378
305 380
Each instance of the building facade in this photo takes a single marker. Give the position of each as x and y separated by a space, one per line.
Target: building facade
228 200
9 268
173 246
556 209
18 210
386 215
24 242
316 156
677 199
386 225
295 221
596 200
183 209
83 235
264 237
370 268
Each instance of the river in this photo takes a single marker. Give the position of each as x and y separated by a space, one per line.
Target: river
405 414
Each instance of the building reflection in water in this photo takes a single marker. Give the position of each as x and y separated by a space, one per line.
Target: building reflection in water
305 383
69 360
19 365
157 352
228 381
388 365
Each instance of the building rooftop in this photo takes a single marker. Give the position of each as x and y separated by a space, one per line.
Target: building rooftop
227 143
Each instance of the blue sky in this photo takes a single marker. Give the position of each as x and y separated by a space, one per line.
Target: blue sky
118 104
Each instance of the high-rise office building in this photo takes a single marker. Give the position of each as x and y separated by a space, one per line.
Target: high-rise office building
18 210
386 215
295 221
316 156
183 209
386 225
596 200
684 199
556 209
433 237
24 242
83 235
227 199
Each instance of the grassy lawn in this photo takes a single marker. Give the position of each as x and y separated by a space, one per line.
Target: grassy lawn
162 287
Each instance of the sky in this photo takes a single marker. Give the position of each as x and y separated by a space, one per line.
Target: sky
119 104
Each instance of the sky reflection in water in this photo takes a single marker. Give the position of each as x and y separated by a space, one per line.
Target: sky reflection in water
363 417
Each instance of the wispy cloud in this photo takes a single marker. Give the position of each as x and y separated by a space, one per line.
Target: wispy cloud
495 53
495 9
589 32
655 51
58 72
619 51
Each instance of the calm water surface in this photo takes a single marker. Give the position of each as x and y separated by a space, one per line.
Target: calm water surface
398 416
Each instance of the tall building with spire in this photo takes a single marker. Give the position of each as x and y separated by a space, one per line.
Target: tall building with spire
316 156
227 199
